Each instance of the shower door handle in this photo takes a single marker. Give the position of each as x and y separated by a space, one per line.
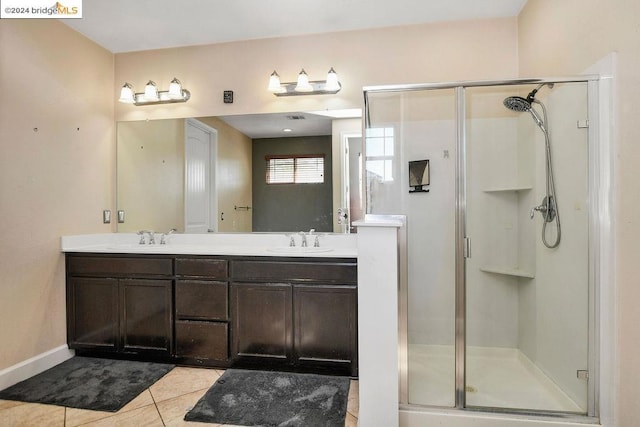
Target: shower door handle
467 247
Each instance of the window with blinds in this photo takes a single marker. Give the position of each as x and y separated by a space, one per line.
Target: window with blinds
295 169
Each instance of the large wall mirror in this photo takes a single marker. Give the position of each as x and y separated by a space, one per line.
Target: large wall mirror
283 172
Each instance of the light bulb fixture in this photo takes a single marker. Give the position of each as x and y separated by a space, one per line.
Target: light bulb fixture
332 80
127 94
274 83
151 91
304 86
303 83
175 89
152 95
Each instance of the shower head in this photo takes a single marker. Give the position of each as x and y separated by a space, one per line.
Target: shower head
520 105
517 103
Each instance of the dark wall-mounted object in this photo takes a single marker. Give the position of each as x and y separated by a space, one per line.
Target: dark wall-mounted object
227 96
419 176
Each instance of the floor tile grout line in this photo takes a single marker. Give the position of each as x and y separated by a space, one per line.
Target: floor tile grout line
159 414
153 399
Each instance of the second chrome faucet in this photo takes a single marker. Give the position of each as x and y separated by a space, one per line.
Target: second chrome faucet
152 237
303 239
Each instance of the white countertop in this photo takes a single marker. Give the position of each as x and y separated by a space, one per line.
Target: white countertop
239 244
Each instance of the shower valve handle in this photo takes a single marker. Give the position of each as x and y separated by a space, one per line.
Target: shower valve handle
539 208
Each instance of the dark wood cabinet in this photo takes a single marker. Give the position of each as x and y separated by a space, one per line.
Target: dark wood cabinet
265 312
299 314
202 311
145 315
261 322
325 326
92 312
112 307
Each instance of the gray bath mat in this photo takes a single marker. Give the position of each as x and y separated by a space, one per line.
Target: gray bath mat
88 383
261 398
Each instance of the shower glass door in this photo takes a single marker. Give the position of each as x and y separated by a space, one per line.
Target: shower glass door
527 302
402 127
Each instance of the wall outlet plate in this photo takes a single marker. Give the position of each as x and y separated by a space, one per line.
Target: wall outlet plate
227 97
106 216
120 217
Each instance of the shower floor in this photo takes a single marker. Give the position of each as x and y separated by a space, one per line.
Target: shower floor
496 377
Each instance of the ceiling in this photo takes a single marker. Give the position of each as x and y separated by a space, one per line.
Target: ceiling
128 26
273 125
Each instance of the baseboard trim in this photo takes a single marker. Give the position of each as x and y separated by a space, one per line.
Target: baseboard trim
33 366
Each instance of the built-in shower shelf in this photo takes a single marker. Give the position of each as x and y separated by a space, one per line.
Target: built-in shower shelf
504 189
508 271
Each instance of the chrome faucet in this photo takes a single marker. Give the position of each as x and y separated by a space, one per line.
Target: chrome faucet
292 241
163 238
142 233
303 235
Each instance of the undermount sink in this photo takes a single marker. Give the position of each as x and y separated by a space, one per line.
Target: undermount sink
298 249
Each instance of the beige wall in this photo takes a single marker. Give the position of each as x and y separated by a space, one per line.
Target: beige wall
566 37
414 54
150 175
53 182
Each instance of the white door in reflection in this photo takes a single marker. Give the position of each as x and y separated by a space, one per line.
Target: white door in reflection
200 201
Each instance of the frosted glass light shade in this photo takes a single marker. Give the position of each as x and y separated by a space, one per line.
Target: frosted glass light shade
151 91
175 89
274 83
126 94
303 83
332 81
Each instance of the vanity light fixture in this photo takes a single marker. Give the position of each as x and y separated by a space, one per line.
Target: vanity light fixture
152 95
304 86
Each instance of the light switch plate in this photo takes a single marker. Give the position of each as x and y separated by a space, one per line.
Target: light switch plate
106 216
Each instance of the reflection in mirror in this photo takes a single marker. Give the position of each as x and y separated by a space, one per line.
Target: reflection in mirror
209 174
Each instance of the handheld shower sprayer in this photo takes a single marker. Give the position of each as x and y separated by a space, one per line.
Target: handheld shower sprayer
520 104
549 206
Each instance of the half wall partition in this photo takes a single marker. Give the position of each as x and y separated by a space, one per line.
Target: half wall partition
494 317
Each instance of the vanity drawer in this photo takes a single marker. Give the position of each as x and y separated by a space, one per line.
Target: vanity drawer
202 340
119 266
201 299
295 271
202 267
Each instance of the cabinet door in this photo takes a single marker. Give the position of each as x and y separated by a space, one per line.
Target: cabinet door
146 315
262 321
92 320
202 340
326 326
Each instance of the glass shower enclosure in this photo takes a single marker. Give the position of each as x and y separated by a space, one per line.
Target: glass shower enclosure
497 309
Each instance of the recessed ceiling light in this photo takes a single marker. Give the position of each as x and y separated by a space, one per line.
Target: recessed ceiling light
287 130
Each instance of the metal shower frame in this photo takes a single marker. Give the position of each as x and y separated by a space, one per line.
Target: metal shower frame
597 195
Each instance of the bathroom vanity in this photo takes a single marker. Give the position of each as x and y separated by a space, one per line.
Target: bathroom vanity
220 307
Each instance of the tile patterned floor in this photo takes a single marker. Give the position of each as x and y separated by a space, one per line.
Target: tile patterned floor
163 404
